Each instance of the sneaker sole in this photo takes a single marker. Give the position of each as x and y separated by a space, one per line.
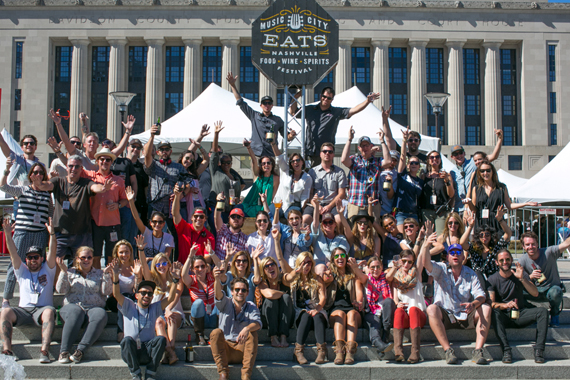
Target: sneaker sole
64 361
481 361
45 361
388 349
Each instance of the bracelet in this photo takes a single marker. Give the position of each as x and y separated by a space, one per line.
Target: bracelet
140 248
447 183
57 151
175 280
127 133
115 283
6 172
52 234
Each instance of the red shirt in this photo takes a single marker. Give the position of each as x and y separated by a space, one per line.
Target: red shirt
99 212
187 236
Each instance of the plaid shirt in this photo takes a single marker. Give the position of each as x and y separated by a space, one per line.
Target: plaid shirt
162 179
225 235
363 179
374 289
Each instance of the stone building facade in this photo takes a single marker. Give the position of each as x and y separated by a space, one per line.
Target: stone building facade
504 63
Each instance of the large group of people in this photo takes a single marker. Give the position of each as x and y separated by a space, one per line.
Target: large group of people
396 240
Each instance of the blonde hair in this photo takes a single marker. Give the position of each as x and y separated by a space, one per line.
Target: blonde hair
124 242
156 276
348 274
76 257
369 250
233 269
461 228
311 281
263 264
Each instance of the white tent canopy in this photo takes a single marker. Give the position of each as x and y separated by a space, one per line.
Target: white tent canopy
15 147
551 184
215 103
513 182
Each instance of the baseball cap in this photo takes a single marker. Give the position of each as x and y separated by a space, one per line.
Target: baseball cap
364 138
394 154
265 98
35 249
455 247
146 283
199 211
136 141
237 211
164 144
327 216
456 148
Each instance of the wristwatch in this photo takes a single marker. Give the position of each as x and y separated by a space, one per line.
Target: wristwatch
175 280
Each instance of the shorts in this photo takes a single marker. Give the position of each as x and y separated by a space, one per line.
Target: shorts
401 216
68 244
30 315
469 323
309 210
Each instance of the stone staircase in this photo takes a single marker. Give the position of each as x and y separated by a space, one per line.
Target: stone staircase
103 360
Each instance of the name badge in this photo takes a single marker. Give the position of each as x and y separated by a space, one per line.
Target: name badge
433 199
485 213
138 343
65 205
209 309
34 298
114 236
37 218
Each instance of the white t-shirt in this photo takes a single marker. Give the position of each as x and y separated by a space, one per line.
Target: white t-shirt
156 245
38 282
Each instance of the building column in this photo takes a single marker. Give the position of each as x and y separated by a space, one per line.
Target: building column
117 82
343 70
381 72
154 104
192 69
267 88
230 61
418 106
79 97
455 119
492 90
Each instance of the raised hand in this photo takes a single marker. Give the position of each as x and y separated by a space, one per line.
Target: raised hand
217 272
372 201
194 250
54 145
230 251
231 79
257 251
205 131
246 143
429 227
108 185
372 97
386 113
141 244
7 227
54 116
501 211
519 272
130 193
218 126
469 217
176 270
49 227
339 206
499 133
130 124
422 233
432 239
9 163
351 133
116 267
406 134
208 247
263 196
352 262
59 261
380 134
276 233
315 201
137 269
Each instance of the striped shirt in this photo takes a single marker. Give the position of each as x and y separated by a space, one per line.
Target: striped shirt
197 292
31 203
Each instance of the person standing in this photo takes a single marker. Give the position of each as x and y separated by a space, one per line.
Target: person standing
239 320
134 154
510 309
22 162
322 121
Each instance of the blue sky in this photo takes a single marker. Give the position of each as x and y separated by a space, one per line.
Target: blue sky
559 1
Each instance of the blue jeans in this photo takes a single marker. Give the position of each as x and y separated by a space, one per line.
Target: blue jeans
127 221
553 295
198 310
401 216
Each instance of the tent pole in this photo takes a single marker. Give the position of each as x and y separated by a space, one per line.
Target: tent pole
303 102
286 119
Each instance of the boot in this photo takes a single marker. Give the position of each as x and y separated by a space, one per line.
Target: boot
298 354
398 348
322 353
350 352
415 354
198 324
383 345
339 351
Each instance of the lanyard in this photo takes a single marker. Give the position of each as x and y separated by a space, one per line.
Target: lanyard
159 244
207 291
139 320
35 285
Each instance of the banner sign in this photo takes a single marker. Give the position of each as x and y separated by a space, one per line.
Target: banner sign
547 211
295 43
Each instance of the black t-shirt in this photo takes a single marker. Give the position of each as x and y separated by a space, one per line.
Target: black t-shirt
142 181
507 289
72 214
409 190
123 167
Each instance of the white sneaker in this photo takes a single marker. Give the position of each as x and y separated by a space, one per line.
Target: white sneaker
44 357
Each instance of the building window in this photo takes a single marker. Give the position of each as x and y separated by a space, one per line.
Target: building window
473 135
248 75
327 81
471 66
62 84
431 132
211 66
515 162
16 131
281 99
174 81
434 66
17 99
137 84
510 96
361 69
398 75
552 63
431 124
19 54
550 158
472 105
553 102
99 90
508 135
553 134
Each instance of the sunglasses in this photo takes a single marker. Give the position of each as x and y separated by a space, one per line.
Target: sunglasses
407 261
200 266
165 149
199 216
269 265
107 142
485 234
76 142
374 267
240 290
133 147
266 103
414 140
266 163
33 257
453 223
38 172
414 163
327 151
328 222
157 221
235 217
455 253
362 222
85 258
225 162
435 157
146 294
326 97
295 160
105 159
457 153
74 166
239 261
29 143
485 170
409 226
162 264
261 221
340 255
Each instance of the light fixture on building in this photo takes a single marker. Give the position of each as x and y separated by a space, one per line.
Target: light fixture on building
437 100
122 98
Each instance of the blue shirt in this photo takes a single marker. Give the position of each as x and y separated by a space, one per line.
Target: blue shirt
230 322
409 190
140 322
323 246
462 176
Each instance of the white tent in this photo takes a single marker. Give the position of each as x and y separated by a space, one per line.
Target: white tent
513 182
215 103
13 144
551 184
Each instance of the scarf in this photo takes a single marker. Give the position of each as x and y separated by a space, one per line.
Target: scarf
405 282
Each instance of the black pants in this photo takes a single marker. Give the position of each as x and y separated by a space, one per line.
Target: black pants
308 323
383 322
276 315
172 229
103 234
150 354
502 321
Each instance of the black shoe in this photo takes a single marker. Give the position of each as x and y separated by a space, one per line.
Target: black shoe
507 357
383 347
538 355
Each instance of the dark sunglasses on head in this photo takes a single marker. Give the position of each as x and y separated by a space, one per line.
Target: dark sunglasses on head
240 290
29 143
146 294
326 97
33 257
327 151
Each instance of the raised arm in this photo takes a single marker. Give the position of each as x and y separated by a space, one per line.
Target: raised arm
386 127
254 164
386 158
186 279
316 203
56 147
172 293
141 244
255 253
493 156
232 82
362 278
196 144
217 129
218 293
464 240
403 151
52 252
148 147
129 125
285 267
218 222
347 230
345 158
369 99
116 268
425 256
12 250
131 198
61 132
177 218
503 223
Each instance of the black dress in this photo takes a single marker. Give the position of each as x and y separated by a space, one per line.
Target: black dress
489 202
